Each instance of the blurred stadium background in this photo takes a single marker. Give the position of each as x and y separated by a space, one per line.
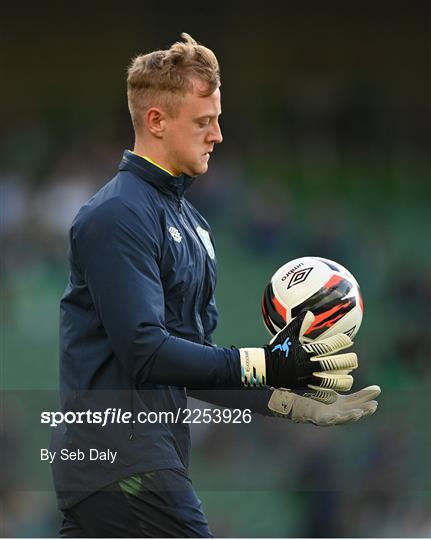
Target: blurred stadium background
326 120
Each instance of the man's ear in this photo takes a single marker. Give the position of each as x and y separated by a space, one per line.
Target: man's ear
155 120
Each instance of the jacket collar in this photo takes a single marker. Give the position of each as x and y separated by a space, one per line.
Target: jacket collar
155 176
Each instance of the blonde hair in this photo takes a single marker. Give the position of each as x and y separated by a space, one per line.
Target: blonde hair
163 77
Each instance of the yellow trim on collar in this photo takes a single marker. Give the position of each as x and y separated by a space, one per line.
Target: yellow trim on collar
153 162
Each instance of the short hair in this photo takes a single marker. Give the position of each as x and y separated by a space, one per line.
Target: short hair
163 77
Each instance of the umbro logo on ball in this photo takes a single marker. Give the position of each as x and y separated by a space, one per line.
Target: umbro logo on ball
299 277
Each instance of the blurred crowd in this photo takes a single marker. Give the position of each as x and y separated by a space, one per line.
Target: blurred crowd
288 480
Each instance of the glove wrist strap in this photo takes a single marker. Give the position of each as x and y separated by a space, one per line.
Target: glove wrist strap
253 367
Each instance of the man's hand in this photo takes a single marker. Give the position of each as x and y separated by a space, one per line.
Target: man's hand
285 362
324 407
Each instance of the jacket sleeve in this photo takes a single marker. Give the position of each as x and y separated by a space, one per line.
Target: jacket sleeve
118 253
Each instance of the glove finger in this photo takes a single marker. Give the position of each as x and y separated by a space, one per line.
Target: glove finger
346 361
328 345
306 322
294 328
352 416
366 394
329 380
323 395
271 341
369 408
337 419
356 414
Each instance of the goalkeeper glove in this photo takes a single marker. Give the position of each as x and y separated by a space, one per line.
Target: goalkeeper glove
286 362
324 407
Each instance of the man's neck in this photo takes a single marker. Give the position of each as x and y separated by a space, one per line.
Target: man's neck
153 156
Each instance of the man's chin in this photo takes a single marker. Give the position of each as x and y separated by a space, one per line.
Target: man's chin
198 171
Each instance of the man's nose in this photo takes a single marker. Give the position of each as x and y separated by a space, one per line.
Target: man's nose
216 136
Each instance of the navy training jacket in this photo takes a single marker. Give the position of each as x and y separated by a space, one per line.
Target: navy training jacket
136 327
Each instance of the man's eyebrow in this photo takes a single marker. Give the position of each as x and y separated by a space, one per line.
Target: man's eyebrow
208 116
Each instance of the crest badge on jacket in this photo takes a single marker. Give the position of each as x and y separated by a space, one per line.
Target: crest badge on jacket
206 240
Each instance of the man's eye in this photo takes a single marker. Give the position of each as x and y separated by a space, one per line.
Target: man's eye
203 123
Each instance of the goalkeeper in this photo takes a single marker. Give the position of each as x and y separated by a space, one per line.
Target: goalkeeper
138 315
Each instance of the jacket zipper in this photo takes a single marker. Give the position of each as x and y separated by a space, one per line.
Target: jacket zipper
189 228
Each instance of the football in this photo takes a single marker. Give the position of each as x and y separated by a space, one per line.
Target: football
320 285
